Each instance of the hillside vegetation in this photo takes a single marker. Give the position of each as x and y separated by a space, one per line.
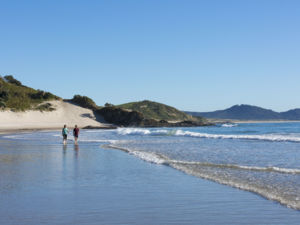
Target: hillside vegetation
131 118
84 102
17 97
158 111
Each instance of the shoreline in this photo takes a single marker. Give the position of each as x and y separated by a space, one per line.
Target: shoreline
111 127
27 130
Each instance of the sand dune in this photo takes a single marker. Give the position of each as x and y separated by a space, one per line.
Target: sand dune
65 113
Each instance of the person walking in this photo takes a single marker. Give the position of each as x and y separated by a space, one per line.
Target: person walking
65 132
76 134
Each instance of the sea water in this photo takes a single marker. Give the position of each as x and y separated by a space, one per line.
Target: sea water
261 158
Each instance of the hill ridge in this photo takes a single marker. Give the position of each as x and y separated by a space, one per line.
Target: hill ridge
249 112
155 110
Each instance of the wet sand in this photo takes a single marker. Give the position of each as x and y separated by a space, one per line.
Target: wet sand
53 184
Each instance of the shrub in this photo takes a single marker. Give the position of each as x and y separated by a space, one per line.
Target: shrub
18 97
12 80
4 95
45 107
108 105
84 101
2 104
48 95
42 95
38 95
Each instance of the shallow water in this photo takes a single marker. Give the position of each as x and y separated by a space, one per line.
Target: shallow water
43 182
261 158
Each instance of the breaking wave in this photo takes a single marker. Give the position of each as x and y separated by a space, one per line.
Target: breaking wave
139 131
156 158
229 125
262 137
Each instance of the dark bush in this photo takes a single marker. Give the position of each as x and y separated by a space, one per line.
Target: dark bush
121 116
84 101
37 95
108 105
48 95
12 80
4 95
2 104
42 95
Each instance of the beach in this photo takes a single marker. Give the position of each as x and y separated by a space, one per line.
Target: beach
64 113
44 182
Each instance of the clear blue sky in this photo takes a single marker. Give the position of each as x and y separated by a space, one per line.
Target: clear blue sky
194 55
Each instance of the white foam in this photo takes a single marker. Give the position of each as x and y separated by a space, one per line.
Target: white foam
265 137
11 136
229 125
128 131
17 137
99 140
241 167
141 131
285 170
148 156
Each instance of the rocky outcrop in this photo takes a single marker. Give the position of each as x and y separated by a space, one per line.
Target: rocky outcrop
129 118
100 127
121 117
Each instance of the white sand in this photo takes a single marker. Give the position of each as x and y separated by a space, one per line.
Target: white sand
65 113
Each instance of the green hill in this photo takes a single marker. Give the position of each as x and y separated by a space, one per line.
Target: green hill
158 111
17 97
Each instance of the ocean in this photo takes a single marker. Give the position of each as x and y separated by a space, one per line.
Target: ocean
262 159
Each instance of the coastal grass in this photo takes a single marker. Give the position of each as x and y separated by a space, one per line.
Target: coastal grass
17 97
158 111
84 102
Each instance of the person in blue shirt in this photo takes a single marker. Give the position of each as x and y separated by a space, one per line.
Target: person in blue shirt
65 132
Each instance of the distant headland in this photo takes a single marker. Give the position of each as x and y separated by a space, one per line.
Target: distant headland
250 113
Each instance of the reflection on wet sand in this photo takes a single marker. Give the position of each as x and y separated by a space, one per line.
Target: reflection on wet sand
76 150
